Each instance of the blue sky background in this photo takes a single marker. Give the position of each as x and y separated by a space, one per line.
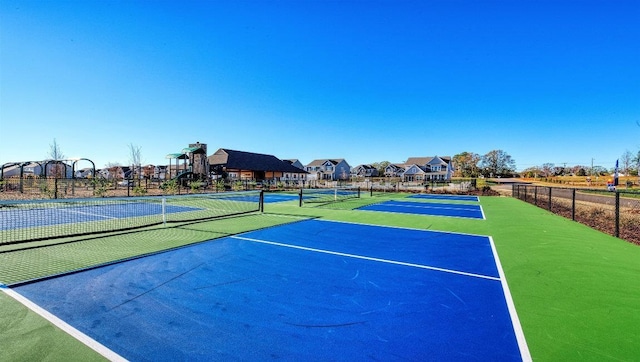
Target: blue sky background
368 81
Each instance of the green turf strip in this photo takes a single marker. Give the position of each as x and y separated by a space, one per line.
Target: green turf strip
576 290
25 336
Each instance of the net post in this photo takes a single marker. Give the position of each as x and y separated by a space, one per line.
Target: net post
358 191
261 200
164 211
300 196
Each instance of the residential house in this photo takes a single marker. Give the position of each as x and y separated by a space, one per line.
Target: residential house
240 165
394 170
328 169
86 172
12 169
154 172
435 168
295 176
115 172
364 171
414 173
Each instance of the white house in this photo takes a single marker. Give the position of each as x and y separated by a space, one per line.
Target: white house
328 169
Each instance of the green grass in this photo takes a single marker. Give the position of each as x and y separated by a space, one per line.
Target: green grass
575 289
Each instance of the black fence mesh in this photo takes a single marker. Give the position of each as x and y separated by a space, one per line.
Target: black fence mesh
614 212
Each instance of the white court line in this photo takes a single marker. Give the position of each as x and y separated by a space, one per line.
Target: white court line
86 340
367 258
515 321
89 214
428 206
449 198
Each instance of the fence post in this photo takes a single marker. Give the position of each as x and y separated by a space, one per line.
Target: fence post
535 195
573 204
550 198
525 193
617 214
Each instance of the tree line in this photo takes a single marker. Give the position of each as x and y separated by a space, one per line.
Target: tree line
628 164
496 163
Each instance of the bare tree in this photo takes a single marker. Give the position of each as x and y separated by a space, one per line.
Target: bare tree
136 160
56 155
627 161
547 169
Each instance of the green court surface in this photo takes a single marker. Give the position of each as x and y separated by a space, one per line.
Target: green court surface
575 289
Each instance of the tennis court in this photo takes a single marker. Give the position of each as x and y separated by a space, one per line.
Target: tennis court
359 292
445 197
427 208
310 290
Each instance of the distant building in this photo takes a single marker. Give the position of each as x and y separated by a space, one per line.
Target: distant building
240 165
422 169
328 169
364 171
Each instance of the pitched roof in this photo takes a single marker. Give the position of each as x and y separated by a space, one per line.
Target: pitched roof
425 160
249 161
334 161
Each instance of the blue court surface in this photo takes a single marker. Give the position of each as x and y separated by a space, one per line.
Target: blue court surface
426 208
268 198
446 197
271 198
312 290
76 214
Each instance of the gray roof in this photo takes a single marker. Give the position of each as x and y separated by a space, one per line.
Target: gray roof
321 162
240 160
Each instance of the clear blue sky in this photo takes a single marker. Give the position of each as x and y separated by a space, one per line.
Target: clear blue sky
368 81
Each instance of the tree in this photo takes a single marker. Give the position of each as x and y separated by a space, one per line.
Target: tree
547 169
135 159
498 163
626 161
56 155
532 172
466 164
380 166
636 161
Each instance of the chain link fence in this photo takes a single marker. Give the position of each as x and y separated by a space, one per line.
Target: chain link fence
614 212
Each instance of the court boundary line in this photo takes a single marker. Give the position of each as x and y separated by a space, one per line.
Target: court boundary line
523 347
442 197
429 205
407 213
362 257
64 326
513 313
400 227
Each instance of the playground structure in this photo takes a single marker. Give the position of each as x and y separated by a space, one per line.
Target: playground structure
195 165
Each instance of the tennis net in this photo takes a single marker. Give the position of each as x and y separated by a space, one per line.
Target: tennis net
23 221
328 195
